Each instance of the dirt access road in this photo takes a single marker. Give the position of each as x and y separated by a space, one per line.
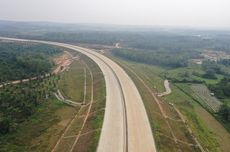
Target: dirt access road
167 89
126 126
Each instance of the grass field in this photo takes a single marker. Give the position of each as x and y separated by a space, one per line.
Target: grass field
188 74
39 132
91 132
71 83
82 134
208 137
203 92
187 107
42 130
169 130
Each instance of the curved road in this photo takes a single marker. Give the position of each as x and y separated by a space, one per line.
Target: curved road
126 126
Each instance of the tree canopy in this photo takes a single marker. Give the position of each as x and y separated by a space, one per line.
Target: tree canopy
23 60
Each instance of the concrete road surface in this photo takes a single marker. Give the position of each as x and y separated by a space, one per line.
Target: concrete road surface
126 126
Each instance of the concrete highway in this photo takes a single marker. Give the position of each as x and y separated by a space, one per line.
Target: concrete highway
126 127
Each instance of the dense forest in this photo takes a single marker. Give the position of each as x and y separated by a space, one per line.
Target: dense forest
18 102
162 57
222 91
222 88
146 38
225 62
212 68
224 114
20 60
163 46
24 60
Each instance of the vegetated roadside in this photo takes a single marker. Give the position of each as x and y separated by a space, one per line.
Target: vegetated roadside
213 75
21 103
20 60
39 119
210 138
84 83
90 133
72 82
212 72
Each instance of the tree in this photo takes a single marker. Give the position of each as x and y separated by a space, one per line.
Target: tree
224 112
210 74
4 125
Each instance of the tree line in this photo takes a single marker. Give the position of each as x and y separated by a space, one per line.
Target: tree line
161 57
24 60
18 102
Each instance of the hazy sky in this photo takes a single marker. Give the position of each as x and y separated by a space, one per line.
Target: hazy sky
212 13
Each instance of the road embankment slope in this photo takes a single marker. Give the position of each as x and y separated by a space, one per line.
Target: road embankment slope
126 127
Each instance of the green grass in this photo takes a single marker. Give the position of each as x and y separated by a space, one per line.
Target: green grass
35 134
187 73
187 106
186 89
71 83
203 93
94 123
41 131
210 81
158 123
72 86
149 73
185 103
